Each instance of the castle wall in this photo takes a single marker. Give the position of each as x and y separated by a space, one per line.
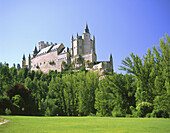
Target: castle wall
81 47
43 62
88 56
75 47
42 45
103 67
87 46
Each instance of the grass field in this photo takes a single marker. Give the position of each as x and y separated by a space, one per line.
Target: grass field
28 124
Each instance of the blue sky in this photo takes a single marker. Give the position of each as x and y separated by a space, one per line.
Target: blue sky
120 26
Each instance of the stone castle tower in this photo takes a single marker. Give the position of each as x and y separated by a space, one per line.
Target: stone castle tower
84 46
23 61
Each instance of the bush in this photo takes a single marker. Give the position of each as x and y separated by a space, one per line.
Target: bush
160 113
47 112
7 111
129 115
91 114
118 113
5 103
148 115
161 106
144 108
98 114
134 111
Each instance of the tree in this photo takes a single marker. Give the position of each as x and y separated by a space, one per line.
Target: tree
18 102
70 94
22 75
152 73
56 92
115 95
22 100
5 79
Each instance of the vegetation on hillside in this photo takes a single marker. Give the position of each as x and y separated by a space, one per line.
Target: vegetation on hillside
143 92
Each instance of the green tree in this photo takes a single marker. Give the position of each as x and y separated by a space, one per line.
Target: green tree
151 73
70 94
56 92
115 95
5 79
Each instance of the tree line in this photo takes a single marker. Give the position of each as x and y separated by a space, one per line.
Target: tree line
143 92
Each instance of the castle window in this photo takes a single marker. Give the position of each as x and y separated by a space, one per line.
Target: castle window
40 64
44 62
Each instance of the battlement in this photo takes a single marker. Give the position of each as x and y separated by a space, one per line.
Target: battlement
42 44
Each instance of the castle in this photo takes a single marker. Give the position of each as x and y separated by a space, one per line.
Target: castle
53 56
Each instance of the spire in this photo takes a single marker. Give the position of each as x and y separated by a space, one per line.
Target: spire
111 59
111 63
86 29
77 35
93 37
35 49
29 62
23 58
72 37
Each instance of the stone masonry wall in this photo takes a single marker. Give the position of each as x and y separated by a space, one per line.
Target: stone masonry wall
43 62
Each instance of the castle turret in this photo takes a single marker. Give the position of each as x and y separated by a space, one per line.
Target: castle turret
29 62
86 34
35 52
18 67
84 46
77 44
72 47
86 29
111 62
23 61
42 45
94 44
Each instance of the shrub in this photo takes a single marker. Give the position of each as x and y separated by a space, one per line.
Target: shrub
47 112
7 111
144 108
161 106
98 114
118 113
5 103
134 111
160 113
91 114
148 115
129 115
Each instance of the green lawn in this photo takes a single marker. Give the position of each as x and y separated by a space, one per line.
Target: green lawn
28 124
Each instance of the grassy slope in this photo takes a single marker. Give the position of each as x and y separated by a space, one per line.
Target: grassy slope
28 124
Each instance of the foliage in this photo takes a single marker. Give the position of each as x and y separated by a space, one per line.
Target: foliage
7 111
115 95
5 103
160 113
73 93
144 108
152 75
